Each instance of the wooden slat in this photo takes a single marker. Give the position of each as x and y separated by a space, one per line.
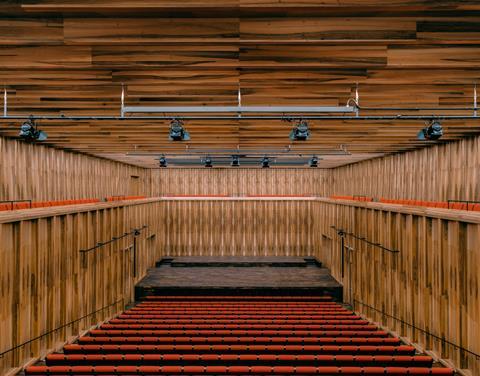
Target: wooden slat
70 57
431 283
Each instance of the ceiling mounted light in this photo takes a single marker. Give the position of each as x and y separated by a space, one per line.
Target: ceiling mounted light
162 161
313 162
208 162
235 161
265 162
433 132
177 132
30 132
300 131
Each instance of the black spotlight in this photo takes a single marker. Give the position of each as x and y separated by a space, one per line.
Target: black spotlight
313 162
265 162
162 161
30 132
433 132
208 162
235 161
300 132
177 132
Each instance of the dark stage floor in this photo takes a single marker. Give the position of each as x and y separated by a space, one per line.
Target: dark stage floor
237 275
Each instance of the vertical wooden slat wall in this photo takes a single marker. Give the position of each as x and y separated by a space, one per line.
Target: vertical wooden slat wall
237 227
438 173
240 181
47 283
36 172
431 285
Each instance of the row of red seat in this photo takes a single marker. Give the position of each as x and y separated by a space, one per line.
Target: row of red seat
354 198
234 370
238 336
123 198
434 204
430 204
45 204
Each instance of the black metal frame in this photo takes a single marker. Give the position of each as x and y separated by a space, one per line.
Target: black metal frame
443 340
342 233
135 232
2 354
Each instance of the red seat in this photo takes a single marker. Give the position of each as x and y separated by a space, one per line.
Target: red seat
458 205
233 370
237 336
4 207
21 205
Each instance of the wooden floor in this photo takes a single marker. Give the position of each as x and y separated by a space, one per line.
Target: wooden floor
197 275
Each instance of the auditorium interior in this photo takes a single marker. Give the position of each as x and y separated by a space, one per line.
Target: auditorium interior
239 187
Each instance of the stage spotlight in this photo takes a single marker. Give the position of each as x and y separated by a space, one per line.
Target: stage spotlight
208 162
177 132
30 132
433 132
235 161
265 162
300 132
313 162
162 161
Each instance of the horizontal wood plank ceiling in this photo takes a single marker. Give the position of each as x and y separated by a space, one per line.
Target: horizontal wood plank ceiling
72 57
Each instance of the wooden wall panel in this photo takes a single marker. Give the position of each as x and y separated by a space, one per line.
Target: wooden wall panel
46 283
432 283
240 182
36 172
443 172
237 227
72 58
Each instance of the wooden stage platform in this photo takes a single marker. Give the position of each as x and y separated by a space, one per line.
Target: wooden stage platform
239 275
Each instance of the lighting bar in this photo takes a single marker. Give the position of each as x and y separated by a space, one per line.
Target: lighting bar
237 109
398 117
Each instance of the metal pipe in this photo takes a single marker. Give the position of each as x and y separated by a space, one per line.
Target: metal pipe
475 100
238 109
254 117
227 152
122 102
409 109
5 107
134 266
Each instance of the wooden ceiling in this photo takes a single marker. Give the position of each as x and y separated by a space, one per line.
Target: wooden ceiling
72 57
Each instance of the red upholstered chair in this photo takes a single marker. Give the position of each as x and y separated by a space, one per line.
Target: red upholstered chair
4 207
21 205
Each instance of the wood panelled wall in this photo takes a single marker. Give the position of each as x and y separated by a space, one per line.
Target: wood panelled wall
237 227
450 171
432 283
240 182
47 283
36 172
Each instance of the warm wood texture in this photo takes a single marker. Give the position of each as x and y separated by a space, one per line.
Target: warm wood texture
437 173
72 57
45 282
432 283
240 182
237 227
41 173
